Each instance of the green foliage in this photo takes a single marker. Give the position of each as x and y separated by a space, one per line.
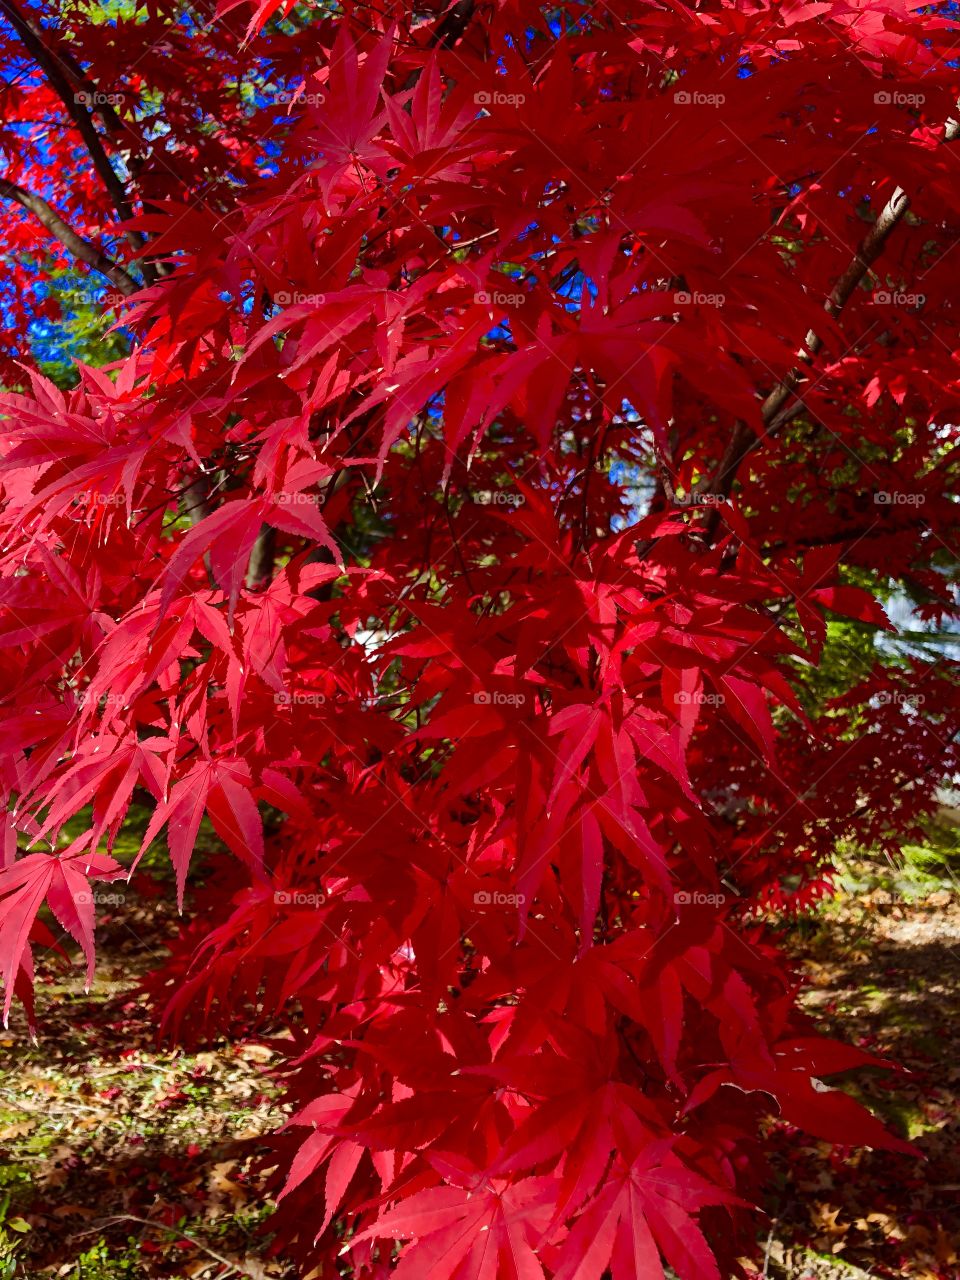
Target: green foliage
100 1262
12 1230
932 866
83 330
848 656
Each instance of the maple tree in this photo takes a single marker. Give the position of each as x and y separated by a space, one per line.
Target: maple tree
516 393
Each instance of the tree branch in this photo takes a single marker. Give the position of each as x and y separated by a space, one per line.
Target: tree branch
782 402
448 31
73 101
69 238
176 1232
454 23
113 121
260 568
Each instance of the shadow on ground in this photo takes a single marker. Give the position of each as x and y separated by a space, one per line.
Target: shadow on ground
119 1159
883 974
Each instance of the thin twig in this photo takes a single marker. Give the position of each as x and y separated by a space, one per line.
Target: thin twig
174 1231
69 238
76 109
783 403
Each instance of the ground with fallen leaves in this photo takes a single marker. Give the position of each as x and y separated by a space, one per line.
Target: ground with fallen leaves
883 971
120 1159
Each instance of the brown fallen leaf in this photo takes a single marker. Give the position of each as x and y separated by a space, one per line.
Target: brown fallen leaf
255 1053
825 1220
222 1187
17 1130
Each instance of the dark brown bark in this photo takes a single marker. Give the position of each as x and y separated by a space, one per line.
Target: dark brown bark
80 248
72 98
784 401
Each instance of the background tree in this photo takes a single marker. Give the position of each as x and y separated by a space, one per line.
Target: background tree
537 390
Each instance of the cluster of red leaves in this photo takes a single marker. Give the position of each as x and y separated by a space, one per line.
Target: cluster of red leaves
506 770
104 115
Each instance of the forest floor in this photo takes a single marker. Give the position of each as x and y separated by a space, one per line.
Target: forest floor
882 967
123 1159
